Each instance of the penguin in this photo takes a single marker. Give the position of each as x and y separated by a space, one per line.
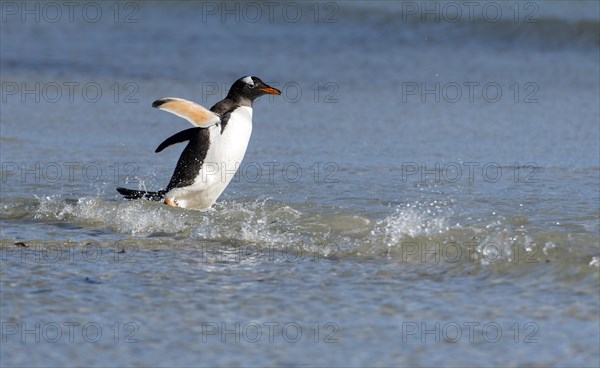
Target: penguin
216 146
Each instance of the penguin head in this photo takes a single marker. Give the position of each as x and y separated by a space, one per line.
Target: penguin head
250 88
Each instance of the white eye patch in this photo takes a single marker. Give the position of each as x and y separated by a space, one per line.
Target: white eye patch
248 80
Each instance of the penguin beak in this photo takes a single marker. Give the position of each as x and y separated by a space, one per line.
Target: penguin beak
270 90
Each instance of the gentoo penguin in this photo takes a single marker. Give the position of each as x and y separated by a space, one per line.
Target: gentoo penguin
215 149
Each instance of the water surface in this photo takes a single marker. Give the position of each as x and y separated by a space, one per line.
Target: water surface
424 193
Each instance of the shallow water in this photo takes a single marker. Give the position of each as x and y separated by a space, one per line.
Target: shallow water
424 192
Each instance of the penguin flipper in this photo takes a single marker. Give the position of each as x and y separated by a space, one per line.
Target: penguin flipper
184 135
197 115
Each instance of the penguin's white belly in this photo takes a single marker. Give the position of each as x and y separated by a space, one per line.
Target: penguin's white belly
223 159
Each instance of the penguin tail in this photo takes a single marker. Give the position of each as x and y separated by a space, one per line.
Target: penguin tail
142 194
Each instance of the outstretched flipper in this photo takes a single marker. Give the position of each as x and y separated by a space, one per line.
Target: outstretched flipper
190 111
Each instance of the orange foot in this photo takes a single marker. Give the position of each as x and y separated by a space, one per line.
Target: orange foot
170 202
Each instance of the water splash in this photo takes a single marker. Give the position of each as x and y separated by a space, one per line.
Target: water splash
412 221
134 217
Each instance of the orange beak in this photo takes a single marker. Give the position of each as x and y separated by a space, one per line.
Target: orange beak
271 90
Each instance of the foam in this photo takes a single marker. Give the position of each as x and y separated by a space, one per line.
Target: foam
134 217
411 221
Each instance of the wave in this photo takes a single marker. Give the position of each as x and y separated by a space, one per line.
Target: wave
416 234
